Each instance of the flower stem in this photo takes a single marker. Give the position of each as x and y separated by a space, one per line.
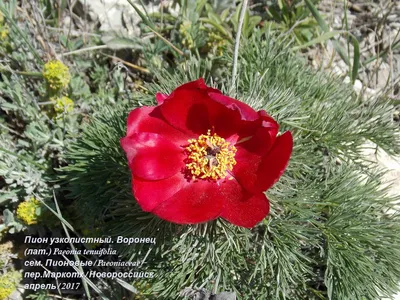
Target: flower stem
85 49
237 44
32 74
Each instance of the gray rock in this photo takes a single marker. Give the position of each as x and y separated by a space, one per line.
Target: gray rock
119 16
202 294
16 295
224 296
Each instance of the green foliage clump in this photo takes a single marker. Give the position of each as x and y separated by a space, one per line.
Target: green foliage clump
37 117
332 229
292 16
201 28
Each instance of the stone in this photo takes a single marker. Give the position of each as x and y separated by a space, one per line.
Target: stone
16 295
109 14
360 87
224 296
202 294
119 16
386 162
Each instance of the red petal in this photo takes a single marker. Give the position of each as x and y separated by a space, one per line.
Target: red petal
160 98
149 119
199 201
275 162
149 194
152 156
245 170
228 123
269 123
194 108
261 139
194 112
247 212
236 120
188 110
198 84
246 112
257 170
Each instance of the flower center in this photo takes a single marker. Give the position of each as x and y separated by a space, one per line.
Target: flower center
210 156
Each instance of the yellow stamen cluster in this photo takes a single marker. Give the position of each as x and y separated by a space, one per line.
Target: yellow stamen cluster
56 74
210 157
8 283
26 211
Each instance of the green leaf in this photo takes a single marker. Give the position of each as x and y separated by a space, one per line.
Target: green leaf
144 18
280 4
17 226
322 38
127 286
117 43
213 17
218 27
8 217
6 196
9 106
253 22
200 6
317 16
235 18
224 14
356 58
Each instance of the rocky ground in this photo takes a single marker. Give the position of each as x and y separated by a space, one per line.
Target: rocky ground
376 25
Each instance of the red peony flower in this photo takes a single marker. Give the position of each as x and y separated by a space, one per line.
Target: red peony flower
200 155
